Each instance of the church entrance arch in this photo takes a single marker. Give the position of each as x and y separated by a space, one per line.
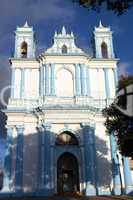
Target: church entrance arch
67 173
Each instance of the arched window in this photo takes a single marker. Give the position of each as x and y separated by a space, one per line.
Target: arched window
64 83
64 49
24 50
104 50
66 138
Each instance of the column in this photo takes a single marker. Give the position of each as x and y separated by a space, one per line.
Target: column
88 81
115 166
107 89
77 80
52 79
7 183
22 84
127 175
19 159
115 76
42 84
83 83
89 160
47 159
40 177
47 79
13 83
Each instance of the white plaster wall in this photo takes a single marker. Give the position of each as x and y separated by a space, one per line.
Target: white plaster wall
30 158
17 83
111 83
94 83
34 83
103 158
101 84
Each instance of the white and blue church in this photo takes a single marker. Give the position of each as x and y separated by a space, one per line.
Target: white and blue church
56 138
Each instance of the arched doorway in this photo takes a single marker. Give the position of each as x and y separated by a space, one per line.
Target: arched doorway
67 173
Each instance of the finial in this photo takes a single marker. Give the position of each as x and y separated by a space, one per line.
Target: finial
63 31
100 24
26 25
55 34
72 34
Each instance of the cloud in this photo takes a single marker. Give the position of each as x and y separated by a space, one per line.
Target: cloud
124 68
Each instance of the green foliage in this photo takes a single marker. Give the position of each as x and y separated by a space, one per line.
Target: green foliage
117 6
118 123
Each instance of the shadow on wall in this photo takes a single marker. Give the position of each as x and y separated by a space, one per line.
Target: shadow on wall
37 151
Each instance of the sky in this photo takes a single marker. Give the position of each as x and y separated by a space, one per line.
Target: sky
46 17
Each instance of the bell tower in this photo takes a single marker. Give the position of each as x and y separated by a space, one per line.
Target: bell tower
103 42
24 42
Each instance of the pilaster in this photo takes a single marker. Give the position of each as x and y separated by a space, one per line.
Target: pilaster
88 131
77 80
19 159
47 79
52 79
13 83
88 81
83 83
48 190
115 76
22 84
7 182
41 175
127 176
106 76
115 166
42 84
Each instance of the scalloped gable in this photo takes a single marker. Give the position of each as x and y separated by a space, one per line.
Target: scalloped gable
64 39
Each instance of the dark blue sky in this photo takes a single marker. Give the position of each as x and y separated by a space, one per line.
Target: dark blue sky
48 16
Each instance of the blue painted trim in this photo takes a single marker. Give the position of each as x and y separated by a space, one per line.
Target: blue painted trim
41 83
52 79
47 162
47 79
19 159
77 80
82 76
43 80
40 158
13 83
107 88
8 160
89 160
127 176
88 86
115 166
115 76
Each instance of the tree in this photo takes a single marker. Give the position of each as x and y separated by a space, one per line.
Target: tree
117 6
118 123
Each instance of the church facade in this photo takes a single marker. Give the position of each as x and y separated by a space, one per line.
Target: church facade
56 138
